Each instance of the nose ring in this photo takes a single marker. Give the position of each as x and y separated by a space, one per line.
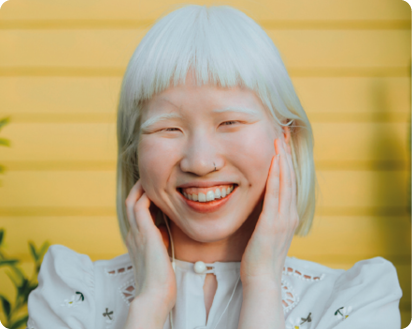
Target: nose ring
215 166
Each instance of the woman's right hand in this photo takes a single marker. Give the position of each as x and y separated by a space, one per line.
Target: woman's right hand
154 276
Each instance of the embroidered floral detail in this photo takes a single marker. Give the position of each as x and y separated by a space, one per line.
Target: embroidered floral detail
120 270
343 312
109 316
287 270
289 298
74 300
127 291
307 319
296 323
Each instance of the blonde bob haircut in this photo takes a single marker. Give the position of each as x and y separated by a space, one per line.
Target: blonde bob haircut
224 47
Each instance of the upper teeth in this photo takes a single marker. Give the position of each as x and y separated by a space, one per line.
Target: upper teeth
210 195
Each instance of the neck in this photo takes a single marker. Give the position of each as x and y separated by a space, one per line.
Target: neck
229 249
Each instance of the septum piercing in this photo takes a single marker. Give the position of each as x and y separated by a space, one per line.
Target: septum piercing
215 166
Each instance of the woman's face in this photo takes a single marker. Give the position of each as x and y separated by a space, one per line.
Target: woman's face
187 131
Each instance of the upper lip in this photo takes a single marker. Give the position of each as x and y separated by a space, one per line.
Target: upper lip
205 184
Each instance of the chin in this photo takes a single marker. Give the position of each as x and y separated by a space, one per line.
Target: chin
211 231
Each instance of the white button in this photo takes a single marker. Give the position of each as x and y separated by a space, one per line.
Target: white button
199 267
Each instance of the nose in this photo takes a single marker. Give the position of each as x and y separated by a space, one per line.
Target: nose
200 156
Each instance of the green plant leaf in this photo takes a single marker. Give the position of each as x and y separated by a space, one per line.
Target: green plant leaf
1 235
6 306
23 288
4 121
5 262
43 249
33 251
18 272
19 323
14 279
4 142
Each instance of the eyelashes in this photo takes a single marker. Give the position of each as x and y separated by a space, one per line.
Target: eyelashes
225 123
230 121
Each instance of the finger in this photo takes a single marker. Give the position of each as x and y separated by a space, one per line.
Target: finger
285 181
134 195
293 176
271 199
144 220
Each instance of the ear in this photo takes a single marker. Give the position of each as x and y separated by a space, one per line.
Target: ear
286 134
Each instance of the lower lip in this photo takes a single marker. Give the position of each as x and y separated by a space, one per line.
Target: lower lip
210 206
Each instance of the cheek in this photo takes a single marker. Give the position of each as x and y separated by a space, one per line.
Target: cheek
155 164
252 153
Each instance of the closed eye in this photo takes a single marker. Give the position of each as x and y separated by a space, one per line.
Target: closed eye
170 129
229 123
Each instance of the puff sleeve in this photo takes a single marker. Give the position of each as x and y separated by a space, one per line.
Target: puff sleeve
64 297
365 296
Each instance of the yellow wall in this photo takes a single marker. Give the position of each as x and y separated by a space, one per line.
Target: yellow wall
61 64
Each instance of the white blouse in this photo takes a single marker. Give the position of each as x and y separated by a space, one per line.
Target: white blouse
76 293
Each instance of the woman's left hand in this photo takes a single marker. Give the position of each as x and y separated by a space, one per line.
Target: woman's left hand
265 254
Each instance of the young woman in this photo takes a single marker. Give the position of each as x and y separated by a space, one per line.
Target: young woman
215 177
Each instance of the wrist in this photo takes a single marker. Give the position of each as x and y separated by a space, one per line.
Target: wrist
260 284
145 313
262 290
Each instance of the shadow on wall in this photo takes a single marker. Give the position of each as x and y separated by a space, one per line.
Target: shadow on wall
394 239
386 149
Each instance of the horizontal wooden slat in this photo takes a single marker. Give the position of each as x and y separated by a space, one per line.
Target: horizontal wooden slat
339 189
87 99
104 24
94 145
361 141
79 96
328 96
355 237
106 72
95 142
98 235
113 48
264 9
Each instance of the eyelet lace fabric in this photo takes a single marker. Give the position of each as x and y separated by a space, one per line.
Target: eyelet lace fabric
117 271
289 297
287 270
127 291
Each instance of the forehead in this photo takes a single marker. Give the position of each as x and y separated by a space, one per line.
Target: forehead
189 97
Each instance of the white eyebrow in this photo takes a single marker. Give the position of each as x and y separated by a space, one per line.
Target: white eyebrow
237 109
166 116
158 118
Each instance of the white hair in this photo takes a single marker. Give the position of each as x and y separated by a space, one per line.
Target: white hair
222 46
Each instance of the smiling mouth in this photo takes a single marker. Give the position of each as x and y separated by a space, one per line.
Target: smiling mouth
205 195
